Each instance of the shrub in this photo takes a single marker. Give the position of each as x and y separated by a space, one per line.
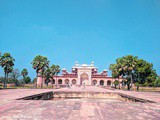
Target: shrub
157 82
116 82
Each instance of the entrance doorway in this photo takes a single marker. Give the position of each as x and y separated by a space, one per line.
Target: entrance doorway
84 79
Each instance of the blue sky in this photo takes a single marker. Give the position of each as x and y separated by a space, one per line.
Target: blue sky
82 30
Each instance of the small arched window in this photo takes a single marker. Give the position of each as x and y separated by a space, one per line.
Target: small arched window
108 82
73 81
101 82
59 81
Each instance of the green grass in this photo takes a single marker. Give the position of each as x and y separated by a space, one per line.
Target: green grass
144 89
149 89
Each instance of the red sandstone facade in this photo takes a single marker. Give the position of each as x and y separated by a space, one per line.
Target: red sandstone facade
82 75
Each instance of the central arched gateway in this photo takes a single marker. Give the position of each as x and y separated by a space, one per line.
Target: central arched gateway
84 79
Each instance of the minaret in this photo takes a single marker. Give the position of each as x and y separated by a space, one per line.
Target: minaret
76 63
92 63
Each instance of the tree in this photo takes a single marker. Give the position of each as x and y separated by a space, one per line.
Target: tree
50 72
137 85
151 78
1 79
27 79
34 80
145 73
130 67
116 82
121 69
57 70
20 81
134 70
52 68
115 72
40 64
14 75
24 73
157 82
118 70
7 63
47 75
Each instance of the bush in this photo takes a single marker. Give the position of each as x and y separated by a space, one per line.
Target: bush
116 82
27 80
157 82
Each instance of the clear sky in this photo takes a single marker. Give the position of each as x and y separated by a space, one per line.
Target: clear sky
82 30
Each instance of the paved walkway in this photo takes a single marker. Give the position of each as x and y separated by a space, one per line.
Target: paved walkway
76 109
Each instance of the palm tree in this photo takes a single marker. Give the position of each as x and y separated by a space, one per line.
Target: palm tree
130 65
115 71
15 74
24 73
47 75
121 69
40 64
57 70
124 66
7 63
52 68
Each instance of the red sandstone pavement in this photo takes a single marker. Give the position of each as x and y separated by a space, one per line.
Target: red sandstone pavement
77 109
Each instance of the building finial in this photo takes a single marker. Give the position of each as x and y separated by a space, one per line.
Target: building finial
76 63
92 63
